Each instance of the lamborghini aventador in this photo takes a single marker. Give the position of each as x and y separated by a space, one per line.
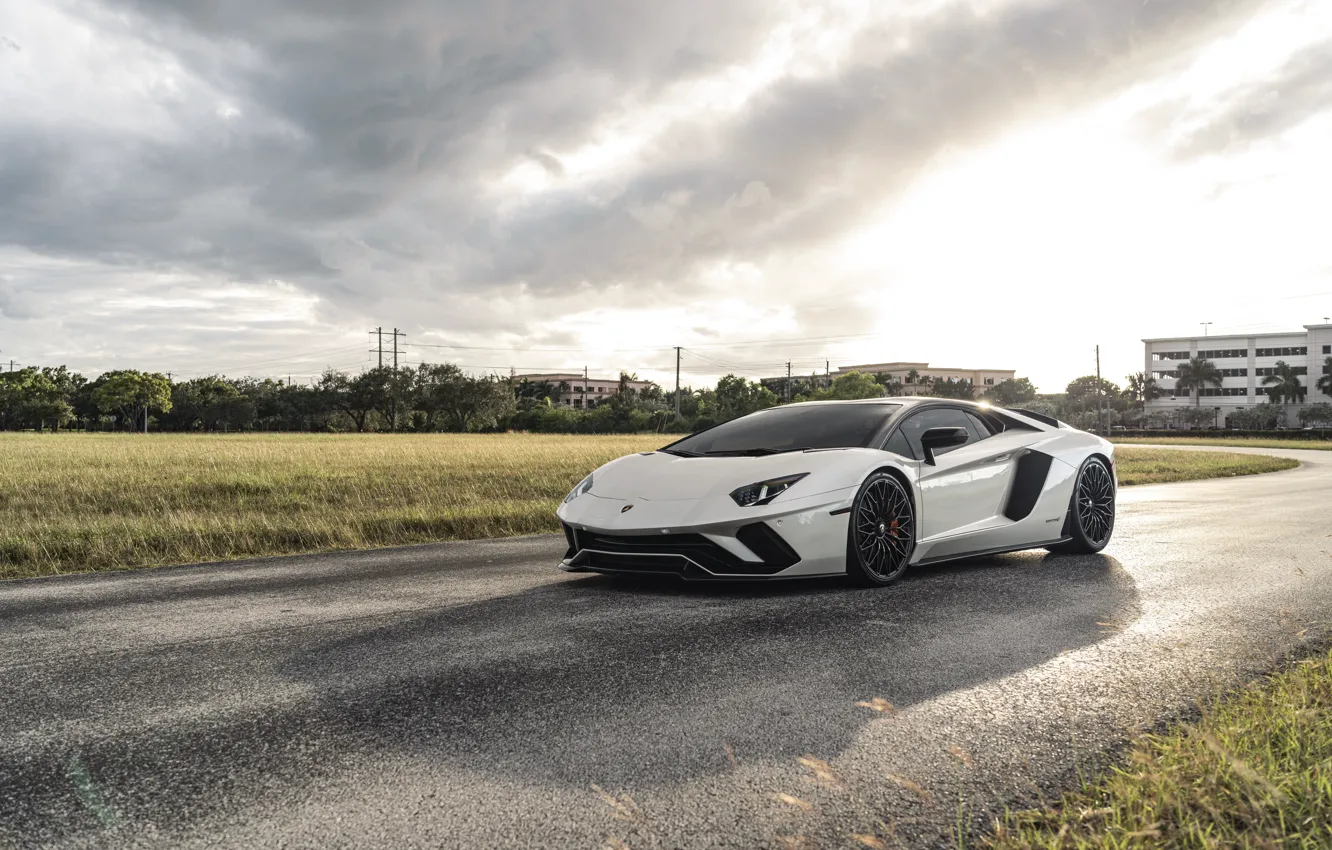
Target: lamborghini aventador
861 488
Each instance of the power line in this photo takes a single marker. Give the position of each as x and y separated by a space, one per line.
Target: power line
268 362
531 350
752 366
784 342
773 343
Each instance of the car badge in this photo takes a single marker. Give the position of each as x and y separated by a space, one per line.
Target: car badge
626 508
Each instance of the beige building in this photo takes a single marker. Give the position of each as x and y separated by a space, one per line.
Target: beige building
581 392
981 379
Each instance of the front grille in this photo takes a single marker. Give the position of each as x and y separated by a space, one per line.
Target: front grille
623 563
677 553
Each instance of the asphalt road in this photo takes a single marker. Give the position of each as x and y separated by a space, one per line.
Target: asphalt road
471 695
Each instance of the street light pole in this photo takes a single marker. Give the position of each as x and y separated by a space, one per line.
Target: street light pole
1204 324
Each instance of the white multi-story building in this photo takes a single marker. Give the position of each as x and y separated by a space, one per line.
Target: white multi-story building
1244 360
581 391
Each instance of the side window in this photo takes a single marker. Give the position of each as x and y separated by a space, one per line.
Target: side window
983 427
898 444
938 417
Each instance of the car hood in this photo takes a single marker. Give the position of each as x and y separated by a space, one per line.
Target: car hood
662 477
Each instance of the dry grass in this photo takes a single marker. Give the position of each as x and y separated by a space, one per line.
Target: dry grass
76 502
1254 772
1159 466
79 502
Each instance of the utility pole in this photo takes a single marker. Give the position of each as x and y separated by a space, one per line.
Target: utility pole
677 383
788 380
827 374
1100 422
585 388
396 334
379 334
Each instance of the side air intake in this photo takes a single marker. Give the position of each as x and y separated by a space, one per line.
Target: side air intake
1032 469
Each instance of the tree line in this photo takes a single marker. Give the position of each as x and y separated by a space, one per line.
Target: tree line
424 398
442 397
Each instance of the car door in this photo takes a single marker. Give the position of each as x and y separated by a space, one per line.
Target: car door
965 489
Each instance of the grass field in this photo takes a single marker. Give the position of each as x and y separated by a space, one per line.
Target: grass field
78 502
1159 466
1255 771
1242 442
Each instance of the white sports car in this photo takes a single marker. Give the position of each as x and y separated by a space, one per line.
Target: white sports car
859 488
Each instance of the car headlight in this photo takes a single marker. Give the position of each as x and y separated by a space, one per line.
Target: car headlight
762 492
583 487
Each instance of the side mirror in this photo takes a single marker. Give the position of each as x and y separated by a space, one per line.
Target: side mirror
942 438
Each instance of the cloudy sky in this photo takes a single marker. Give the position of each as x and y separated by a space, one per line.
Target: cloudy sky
248 187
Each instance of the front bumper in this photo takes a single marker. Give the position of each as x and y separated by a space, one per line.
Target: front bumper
690 556
801 538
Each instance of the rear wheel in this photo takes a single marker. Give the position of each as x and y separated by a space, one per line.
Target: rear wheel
882 532
1091 511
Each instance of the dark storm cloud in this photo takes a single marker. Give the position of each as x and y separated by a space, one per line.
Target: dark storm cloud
349 146
1298 90
826 151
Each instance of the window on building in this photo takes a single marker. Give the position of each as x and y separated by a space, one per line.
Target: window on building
1217 353
1234 373
1172 355
1166 373
1264 371
578 402
1296 351
1213 392
989 381
1327 349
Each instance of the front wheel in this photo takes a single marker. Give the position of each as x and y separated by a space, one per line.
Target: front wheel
1091 511
882 532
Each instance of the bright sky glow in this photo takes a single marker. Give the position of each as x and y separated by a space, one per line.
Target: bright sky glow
971 184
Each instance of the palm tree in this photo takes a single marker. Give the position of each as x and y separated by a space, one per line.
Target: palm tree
1142 388
1283 384
1325 382
1196 374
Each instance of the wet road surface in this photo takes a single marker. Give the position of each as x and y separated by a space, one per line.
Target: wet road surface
471 695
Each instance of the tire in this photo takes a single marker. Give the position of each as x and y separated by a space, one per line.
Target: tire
1091 510
881 533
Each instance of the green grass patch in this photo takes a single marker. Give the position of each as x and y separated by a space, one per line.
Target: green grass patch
1241 442
1159 466
1254 772
79 502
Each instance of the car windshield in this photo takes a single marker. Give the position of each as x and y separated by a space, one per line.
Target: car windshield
784 429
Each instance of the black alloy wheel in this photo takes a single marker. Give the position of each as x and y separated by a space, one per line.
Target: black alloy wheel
1091 518
882 531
